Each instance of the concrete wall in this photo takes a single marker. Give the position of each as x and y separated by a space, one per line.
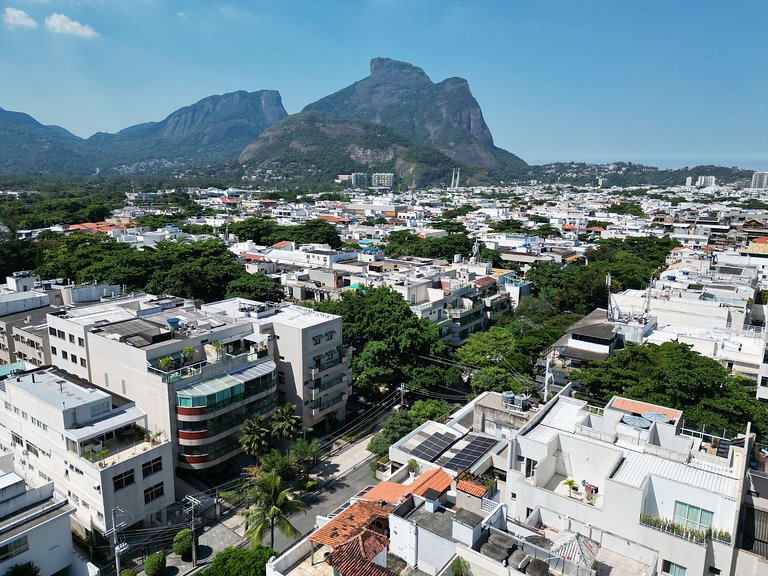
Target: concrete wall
50 547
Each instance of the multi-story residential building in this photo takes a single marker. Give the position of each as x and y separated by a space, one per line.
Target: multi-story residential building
383 180
759 180
313 367
198 377
95 447
361 179
34 524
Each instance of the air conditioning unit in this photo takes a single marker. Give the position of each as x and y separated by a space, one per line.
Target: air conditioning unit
13 444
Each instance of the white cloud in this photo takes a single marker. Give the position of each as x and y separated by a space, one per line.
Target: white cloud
15 18
181 15
61 24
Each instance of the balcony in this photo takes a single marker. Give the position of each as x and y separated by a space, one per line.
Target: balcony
464 311
319 407
207 368
700 537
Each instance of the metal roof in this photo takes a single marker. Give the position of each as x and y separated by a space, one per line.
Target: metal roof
563 416
113 422
636 467
255 371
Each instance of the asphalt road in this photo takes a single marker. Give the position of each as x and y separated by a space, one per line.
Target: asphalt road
325 501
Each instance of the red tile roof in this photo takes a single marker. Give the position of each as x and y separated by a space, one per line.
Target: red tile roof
636 407
485 281
334 219
387 492
471 488
281 244
353 558
437 479
350 523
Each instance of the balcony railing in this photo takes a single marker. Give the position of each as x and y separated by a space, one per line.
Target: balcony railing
318 406
700 537
206 366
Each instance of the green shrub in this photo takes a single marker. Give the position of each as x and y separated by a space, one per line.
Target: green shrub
24 569
154 564
183 541
128 572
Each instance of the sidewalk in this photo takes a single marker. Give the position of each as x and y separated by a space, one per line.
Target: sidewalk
346 460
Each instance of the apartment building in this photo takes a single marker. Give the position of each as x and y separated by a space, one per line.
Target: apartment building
313 367
34 524
196 376
630 477
95 447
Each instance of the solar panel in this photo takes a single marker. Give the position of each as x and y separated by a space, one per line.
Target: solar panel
471 453
433 446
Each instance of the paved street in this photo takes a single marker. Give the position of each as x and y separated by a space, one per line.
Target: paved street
327 500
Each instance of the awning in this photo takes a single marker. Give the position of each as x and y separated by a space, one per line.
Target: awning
100 427
255 371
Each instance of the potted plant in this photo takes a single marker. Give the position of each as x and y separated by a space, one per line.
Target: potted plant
165 363
413 466
189 354
570 482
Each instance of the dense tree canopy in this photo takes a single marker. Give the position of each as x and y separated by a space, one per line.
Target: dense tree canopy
268 232
403 243
402 422
204 270
581 289
388 338
240 561
673 375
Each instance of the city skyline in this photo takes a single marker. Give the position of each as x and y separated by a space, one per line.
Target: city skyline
667 84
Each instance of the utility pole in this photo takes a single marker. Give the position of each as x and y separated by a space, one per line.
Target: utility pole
193 504
402 394
121 548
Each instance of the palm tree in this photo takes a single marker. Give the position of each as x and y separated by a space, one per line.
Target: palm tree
272 505
188 353
570 483
305 452
165 363
285 423
254 437
275 462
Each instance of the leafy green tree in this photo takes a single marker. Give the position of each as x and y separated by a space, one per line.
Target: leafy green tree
305 453
271 508
23 569
285 423
256 286
241 561
389 339
495 379
183 542
673 375
17 255
423 410
254 437
154 565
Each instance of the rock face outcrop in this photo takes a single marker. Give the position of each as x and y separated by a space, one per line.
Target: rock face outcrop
402 97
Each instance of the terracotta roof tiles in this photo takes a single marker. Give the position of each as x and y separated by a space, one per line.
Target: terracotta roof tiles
471 488
350 523
437 479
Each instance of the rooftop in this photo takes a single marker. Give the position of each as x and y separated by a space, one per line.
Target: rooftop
350 523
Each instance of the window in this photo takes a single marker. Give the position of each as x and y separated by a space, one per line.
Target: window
54 351
52 331
60 334
151 467
316 340
329 335
8 406
153 493
122 382
106 379
672 569
82 362
713 571
72 338
122 480
692 516
64 355
16 439
73 358
32 449
81 342
13 548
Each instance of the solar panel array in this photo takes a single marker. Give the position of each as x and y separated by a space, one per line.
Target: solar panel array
470 454
433 446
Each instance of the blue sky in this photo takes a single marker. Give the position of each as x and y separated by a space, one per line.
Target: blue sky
663 82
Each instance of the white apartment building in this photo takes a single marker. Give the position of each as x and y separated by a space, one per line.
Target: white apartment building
34 524
313 368
197 377
383 180
642 483
95 447
759 180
